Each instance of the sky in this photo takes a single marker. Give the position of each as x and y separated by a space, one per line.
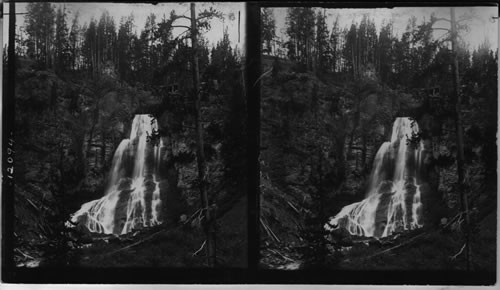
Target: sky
141 12
481 26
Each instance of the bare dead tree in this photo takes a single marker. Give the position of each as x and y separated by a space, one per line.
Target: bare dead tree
453 37
200 153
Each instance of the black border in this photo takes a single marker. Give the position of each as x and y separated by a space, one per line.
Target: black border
253 70
253 274
8 129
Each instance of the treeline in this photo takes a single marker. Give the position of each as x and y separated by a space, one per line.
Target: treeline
411 60
154 56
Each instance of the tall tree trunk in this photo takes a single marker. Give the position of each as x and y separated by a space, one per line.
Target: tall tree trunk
320 189
47 56
460 137
103 151
89 140
351 142
363 153
307 54
209 225
96 161
354 128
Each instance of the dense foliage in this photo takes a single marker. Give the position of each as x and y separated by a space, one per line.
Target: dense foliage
78 88
329 103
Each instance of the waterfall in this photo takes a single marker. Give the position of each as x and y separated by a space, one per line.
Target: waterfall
392 202
132 197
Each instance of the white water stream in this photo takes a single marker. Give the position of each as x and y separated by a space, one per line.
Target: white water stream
132 197
393 200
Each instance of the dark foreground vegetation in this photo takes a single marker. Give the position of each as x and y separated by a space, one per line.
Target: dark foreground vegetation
77 91
329 99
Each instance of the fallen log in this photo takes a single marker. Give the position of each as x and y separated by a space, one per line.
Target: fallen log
32 204
201 248
25 255
281 255
293 207
269 231
137 243
397 246
458 254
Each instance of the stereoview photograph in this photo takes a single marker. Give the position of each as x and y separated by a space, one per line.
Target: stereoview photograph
378 139
129 133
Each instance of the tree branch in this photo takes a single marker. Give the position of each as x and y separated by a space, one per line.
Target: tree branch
206 16
179 36
457 254
281 255
181 26
440 28
25 255
397 246
182 16
439 40
201 248
138 242
269 231
199 18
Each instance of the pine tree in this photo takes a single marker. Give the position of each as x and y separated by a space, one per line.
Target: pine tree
322 47
89 48
61 44
385 53
350 50
268 30
106 39
222 59
372 43
148 57
300 30
335 46
75 43
39 22
124 47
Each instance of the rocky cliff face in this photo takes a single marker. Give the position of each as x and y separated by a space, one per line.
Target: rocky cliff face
67 130
302 130
65 135
318 142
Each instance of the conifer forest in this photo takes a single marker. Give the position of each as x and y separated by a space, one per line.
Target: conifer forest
129 136
378 139
249 143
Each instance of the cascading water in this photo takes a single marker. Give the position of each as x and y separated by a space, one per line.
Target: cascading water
392 202
132 197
